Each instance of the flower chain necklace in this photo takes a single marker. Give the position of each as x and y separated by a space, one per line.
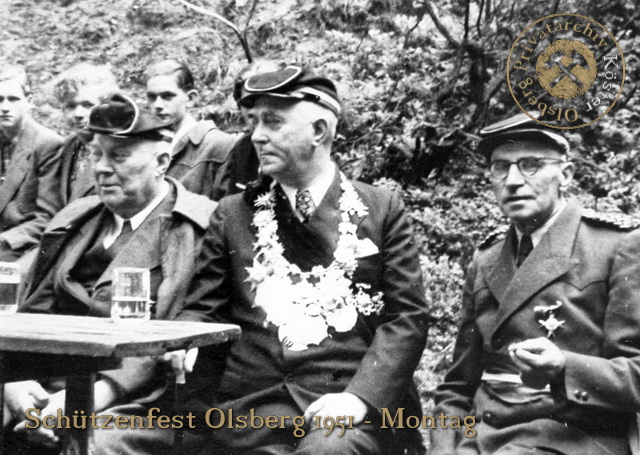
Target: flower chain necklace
305 304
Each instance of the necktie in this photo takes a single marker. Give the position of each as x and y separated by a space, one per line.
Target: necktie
526 245
304 204
122 239
126 228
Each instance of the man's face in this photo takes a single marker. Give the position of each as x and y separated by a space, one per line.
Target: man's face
14 105
529 201
78 108
167 101
128 172
282 135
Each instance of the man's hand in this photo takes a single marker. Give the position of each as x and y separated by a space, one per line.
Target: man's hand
539 361
20 396
41 435
336 405
182 362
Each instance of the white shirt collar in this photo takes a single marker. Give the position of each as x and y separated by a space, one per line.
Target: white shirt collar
188 122
536 235
318 187
137 219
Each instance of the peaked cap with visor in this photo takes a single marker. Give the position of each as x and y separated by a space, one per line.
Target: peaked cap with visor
292 83
519 128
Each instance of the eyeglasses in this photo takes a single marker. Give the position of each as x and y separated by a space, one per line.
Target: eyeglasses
527 166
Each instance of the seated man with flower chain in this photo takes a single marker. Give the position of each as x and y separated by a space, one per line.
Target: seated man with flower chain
322 274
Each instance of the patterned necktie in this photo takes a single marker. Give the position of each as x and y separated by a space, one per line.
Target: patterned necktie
304 204
526 245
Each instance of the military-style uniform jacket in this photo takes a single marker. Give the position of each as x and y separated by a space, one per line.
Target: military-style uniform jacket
591 265
375 360
168 244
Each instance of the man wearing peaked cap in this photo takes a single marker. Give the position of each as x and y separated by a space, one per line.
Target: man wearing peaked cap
322 274
548 354
139 218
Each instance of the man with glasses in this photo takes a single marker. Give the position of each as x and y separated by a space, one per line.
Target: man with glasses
548 353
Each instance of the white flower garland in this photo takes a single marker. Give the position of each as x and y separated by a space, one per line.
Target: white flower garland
305 304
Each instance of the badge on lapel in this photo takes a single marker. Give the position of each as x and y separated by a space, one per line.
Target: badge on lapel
551 324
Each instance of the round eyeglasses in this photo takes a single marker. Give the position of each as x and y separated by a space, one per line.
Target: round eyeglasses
527 166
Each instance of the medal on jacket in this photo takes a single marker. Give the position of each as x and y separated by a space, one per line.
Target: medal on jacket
551 324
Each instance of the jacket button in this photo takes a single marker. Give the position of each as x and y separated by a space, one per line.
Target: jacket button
584 396
487 417
498 343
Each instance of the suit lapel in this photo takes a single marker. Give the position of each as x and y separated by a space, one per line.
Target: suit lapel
84 183
85 237
19 165
550 259
147 255
500 267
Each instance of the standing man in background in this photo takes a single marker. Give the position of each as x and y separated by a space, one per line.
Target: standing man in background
200 149
29 171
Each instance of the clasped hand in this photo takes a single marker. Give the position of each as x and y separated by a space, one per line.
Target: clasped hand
182 362
20 396
539 360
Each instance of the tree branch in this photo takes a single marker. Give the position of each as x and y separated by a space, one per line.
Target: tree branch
241 35
439 25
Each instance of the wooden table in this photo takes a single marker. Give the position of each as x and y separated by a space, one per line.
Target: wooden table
36 346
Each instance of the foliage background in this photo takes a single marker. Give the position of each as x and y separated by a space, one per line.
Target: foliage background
418 79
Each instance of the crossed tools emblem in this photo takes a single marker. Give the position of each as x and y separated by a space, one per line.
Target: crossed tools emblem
566 68
557 60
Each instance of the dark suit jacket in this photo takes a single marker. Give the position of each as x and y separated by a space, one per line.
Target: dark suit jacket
593 268
169 243
30 194
84 185
375 360
197 158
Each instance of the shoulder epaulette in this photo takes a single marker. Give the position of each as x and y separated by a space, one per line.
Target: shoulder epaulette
619 221
494 236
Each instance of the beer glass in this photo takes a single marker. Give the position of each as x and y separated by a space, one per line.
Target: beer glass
9 282
130 294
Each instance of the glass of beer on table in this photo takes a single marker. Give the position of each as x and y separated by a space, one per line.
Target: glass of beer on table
9 282
130 294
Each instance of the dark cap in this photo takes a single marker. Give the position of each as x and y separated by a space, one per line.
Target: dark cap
519 128
294 83
120 116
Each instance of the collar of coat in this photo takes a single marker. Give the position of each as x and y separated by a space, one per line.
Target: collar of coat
196 134
193 207
550 259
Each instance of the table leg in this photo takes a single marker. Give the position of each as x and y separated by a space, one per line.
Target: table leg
79 396
2 448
